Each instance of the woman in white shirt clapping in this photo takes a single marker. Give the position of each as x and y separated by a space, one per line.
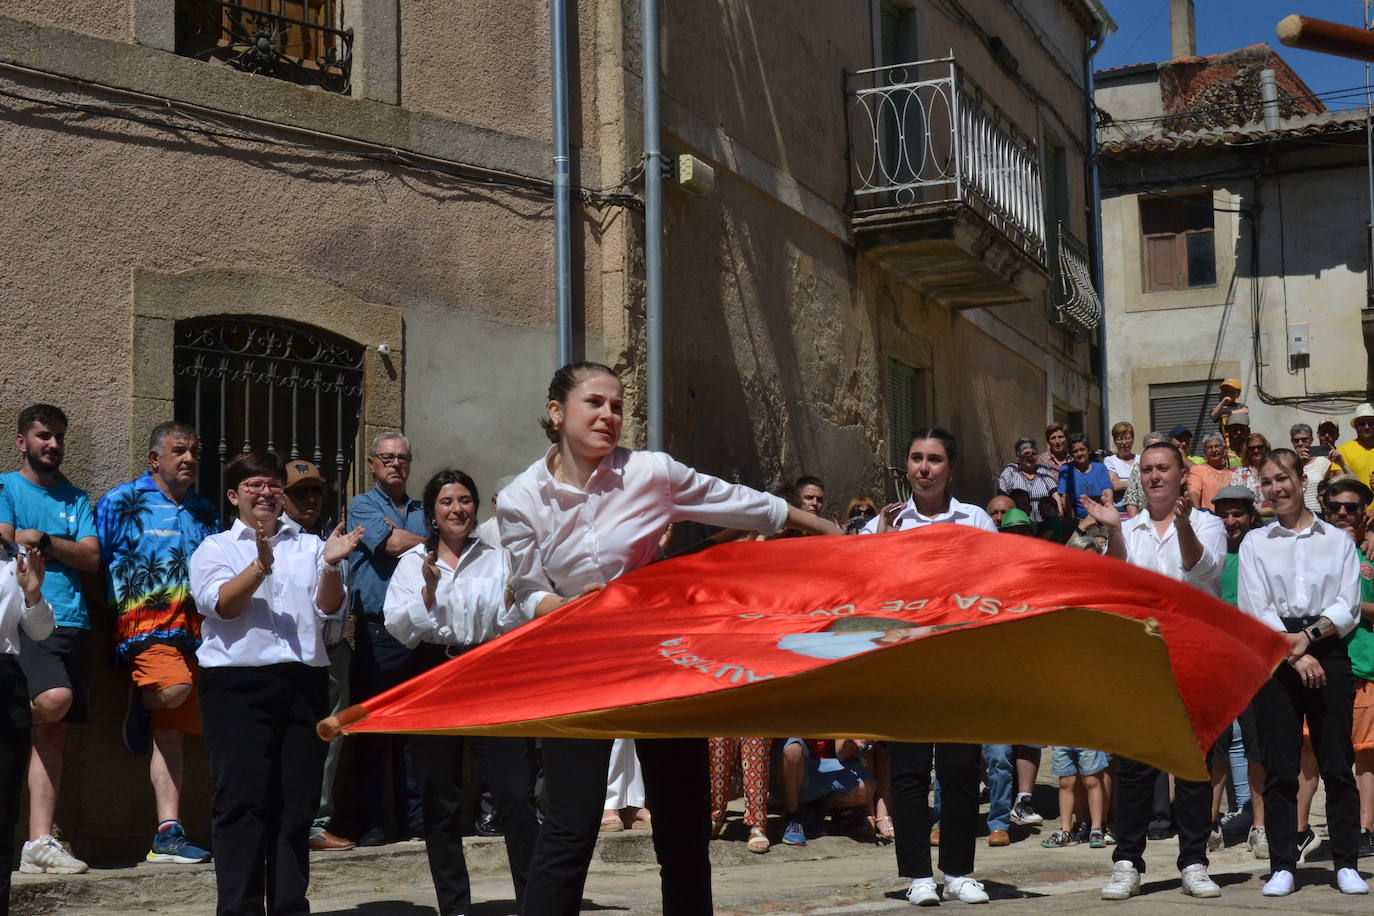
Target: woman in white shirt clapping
583 514
1301 577
447 596
265 588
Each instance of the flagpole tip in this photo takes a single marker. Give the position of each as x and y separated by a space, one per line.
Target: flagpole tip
332 727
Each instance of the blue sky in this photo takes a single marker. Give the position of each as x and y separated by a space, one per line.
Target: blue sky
1223 25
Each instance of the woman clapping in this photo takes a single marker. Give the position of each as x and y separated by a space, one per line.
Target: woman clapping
447 596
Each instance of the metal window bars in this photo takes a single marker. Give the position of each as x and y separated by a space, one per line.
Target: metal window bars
249 383
300 41
1076 302
923 133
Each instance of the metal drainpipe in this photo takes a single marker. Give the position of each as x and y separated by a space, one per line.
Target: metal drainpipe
653 227
562 184
1096 182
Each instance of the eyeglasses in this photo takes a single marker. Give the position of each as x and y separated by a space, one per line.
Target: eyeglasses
261 486
388 458
1342 507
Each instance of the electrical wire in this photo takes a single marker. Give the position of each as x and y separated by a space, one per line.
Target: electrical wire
206 121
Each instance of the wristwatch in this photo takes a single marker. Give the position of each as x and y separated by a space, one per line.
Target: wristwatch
44 542
1313 632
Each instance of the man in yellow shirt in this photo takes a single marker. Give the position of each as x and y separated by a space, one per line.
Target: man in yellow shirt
1359 452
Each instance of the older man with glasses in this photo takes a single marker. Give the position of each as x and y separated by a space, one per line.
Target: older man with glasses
392 523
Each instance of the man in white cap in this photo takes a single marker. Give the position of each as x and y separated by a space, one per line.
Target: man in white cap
1358 453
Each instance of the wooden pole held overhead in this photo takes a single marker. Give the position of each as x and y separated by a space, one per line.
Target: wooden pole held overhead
1326 37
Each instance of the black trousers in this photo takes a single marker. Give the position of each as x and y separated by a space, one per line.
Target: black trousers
676 792
957 767
266 765
1135 806
16 739
1281 706
504 765
380 662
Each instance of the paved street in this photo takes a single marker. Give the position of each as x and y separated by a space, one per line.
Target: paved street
832 875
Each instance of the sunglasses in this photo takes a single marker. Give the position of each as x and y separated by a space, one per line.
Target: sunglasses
1344 508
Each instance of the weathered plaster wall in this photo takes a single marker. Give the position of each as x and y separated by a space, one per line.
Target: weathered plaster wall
101 18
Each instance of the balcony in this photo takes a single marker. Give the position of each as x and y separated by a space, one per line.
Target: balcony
946 189
1077 307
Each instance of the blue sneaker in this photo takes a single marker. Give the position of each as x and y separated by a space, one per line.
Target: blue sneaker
170 845
793 834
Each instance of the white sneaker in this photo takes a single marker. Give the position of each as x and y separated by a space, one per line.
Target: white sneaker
964 889
922 892
1348 881
46 855
1125 882
1215 839
1258 841
1197 883
1280 884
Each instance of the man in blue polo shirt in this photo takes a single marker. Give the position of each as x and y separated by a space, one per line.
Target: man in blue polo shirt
392 523
41 510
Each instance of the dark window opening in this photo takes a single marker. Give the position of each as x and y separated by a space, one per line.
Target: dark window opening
300 41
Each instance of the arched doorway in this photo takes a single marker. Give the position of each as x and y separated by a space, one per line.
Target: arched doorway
250 382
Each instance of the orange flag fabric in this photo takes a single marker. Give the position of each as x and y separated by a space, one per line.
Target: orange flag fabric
945 633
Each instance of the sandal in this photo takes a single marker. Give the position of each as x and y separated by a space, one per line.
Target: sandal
882 830
717 827
642 821
758 840
611 823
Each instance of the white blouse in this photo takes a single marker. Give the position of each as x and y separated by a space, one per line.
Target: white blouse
37 621
469 602
563 540
1311 573
1148 550
280 622
957 514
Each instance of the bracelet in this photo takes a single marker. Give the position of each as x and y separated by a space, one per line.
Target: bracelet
327 566
262 572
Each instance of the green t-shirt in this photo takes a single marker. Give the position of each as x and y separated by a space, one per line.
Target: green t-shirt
1359 642
1229 573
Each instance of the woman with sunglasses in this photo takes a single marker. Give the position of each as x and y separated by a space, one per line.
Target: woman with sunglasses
930 458
447 596
585 513
1248 474
265 588
1301 577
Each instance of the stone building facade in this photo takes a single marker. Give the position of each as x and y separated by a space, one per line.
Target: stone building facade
297 254
1231 246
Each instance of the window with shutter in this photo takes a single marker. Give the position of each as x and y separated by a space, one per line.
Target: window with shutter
1178 242
302 41
1182 404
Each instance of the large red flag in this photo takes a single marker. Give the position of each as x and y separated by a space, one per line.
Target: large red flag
942 633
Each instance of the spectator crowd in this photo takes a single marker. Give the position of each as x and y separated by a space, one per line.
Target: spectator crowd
247 630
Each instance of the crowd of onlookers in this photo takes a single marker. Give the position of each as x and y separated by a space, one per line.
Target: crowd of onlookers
198 627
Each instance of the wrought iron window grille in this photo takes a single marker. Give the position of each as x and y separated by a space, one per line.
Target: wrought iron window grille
255 383
299 41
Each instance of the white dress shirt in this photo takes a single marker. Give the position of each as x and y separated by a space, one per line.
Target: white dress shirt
37 621
1311 573
957 514
1146 548
280 622
563 540
469 602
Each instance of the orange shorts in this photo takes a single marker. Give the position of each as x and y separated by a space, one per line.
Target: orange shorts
1362 731
159 667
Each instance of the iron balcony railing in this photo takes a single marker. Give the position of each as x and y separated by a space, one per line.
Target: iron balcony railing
1077 305
923 133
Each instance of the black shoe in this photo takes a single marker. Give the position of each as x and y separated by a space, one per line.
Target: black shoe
1159 830
1307 841
486 825
374 837
1237 823
1366 843
138 724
